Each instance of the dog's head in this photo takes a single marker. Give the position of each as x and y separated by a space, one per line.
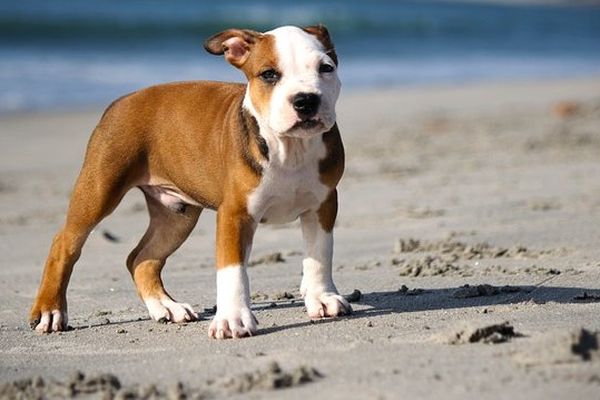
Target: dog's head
292 76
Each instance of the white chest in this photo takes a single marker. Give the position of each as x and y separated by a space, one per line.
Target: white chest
287 190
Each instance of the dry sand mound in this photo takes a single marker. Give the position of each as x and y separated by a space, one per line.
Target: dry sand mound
448 257
108 386
489 334
561 347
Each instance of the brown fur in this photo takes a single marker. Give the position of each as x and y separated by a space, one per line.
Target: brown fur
321 32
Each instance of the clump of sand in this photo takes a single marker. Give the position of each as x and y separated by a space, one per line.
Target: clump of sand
464 251
449 257
108 386
77 385
429 266
271 378
561 347
467 291
271 258
470 333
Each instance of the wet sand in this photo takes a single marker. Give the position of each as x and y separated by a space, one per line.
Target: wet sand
494 186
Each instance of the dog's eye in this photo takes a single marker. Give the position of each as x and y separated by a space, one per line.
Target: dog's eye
270 76
325 68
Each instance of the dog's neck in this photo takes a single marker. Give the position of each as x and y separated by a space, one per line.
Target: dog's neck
282 151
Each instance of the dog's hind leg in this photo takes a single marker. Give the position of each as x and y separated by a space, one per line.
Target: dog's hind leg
95 195
168 228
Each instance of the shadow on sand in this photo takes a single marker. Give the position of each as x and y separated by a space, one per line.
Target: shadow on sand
384 303
407 301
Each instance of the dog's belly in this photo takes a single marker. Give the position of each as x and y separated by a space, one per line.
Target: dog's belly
170 197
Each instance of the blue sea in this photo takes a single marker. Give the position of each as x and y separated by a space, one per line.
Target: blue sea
65 54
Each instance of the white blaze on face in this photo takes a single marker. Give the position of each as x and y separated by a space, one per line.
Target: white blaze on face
300 55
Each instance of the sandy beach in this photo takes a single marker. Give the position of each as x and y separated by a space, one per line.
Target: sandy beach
495 186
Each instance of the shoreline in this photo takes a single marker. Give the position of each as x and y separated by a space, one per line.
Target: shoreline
357 91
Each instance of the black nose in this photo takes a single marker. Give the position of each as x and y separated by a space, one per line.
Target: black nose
306 104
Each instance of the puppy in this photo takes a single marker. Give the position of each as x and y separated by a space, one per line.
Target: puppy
268 151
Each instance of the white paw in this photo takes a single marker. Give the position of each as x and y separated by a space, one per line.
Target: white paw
326 304
166 309
233 324
52 321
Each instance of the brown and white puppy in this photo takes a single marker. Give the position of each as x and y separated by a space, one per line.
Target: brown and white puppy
269 151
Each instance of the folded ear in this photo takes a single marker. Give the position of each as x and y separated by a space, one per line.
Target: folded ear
321 32
236 44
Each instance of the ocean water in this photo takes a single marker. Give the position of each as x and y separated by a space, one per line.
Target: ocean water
65 54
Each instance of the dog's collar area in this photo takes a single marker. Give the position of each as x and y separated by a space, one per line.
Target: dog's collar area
251 134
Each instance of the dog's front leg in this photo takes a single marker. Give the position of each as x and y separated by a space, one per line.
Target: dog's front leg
320 294
235 230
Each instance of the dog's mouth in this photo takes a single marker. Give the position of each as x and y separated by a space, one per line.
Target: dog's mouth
307 124
304 128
